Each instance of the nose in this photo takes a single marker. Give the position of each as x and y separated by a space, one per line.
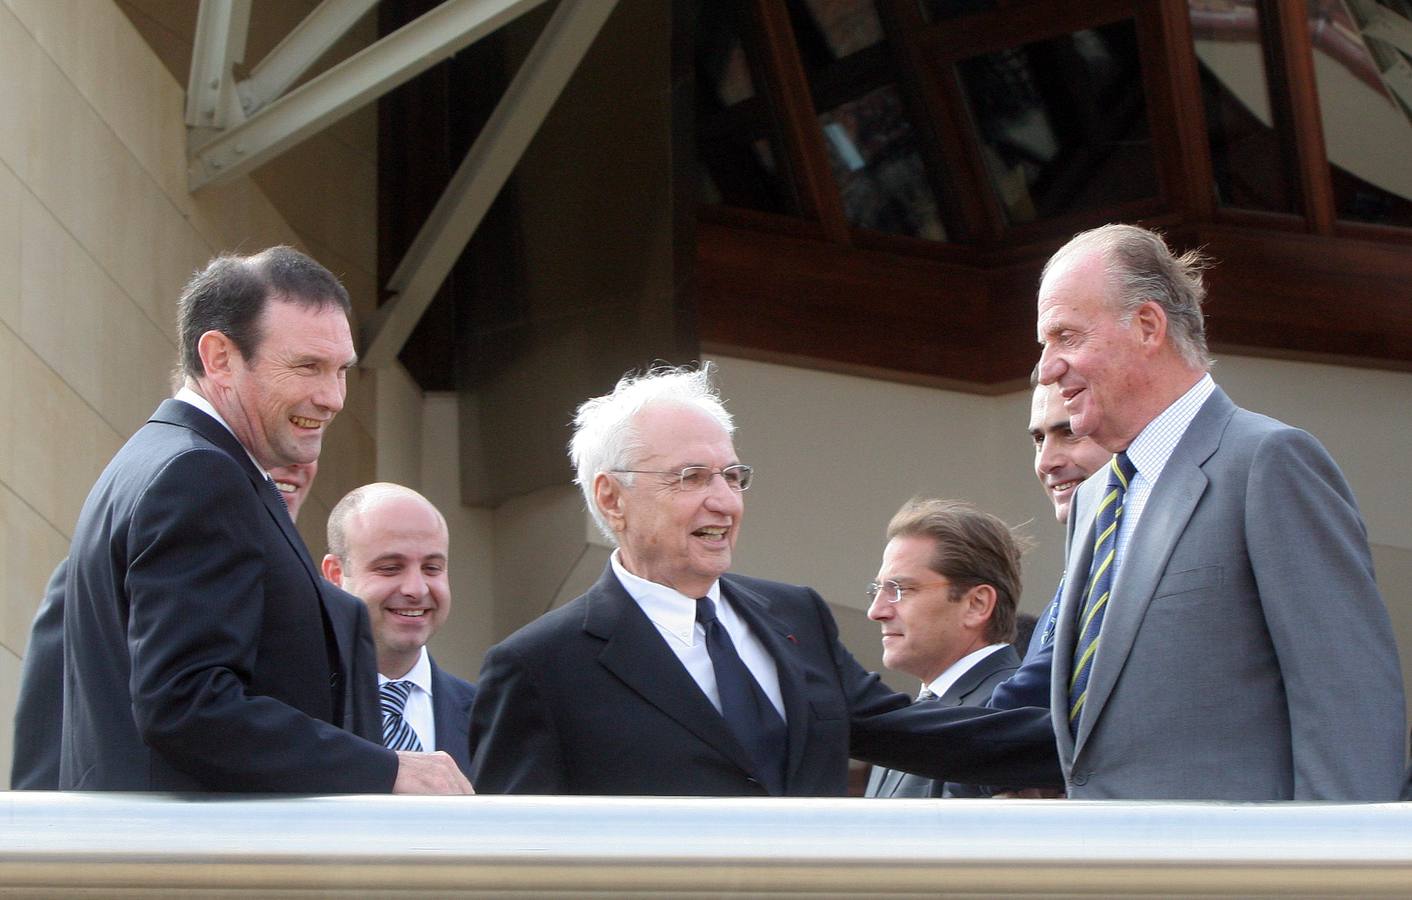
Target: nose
720 498
330 391
880 610
1051 365
1049 457
414 584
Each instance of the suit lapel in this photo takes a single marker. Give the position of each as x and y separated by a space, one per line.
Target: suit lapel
754 608
636 653
1164 518
178 412
972 678
451 713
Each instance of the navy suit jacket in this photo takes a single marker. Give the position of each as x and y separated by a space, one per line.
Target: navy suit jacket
973 688
1029 685
589 699
201 646
451 699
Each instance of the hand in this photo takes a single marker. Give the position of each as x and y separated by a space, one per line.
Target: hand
429 773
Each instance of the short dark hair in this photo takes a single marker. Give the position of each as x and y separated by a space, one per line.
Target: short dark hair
231 292
972 548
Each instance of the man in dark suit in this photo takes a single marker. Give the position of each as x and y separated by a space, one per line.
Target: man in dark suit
1062 461
388 545
945 597
200 651
39 713
672 677
1220 634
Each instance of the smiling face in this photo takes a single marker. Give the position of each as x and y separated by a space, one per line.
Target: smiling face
396 563
682 539
280 403
294 482
1062 460
1097 361
926 631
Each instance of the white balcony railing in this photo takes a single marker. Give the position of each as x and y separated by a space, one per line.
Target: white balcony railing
54 844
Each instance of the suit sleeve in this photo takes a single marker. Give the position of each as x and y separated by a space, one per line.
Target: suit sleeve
1332 636
948 743
39 712
1029 685
516 748
195 580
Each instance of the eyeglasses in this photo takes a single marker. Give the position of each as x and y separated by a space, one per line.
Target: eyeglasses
698 478
891 591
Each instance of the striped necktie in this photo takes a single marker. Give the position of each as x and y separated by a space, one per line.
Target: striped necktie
396 733
1099 585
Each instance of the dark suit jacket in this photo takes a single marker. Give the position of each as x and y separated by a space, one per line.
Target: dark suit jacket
451 699
1029 684
973 688
200 651
40 710
589 699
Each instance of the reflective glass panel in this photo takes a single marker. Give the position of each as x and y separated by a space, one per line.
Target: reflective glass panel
937 10
1063 122
880 174
1362 50
736 165
1253 168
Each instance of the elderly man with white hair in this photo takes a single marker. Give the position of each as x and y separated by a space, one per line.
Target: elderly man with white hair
672 677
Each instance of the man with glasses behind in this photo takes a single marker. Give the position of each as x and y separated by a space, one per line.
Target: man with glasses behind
945 597
671 677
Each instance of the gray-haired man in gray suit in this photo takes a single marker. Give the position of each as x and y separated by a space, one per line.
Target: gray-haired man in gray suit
1244 652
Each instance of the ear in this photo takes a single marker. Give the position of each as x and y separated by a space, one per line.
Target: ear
218 356
1150 320
980 605
333 570
608 494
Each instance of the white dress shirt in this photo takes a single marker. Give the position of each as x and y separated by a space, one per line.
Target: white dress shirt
418 711
674 614
1151 450
943 682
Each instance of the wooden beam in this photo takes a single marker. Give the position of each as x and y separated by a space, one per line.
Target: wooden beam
787 88
1294 92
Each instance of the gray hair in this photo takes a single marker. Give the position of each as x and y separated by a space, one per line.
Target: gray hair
1141 267
606 436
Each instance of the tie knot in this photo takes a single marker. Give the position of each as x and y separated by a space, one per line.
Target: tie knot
394 696
705 610
1121 470
925 694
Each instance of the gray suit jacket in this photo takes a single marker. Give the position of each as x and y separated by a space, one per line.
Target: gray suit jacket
1246 653
973 688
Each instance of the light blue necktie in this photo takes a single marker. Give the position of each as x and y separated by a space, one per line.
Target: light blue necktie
396 733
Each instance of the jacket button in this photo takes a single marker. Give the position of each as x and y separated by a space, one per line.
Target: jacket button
1080 778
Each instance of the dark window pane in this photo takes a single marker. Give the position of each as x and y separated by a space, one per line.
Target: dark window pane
1063 122
937 10
873 151
736 164
1253 168
1361 53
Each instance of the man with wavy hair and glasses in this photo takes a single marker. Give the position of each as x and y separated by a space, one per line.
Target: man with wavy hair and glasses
671 676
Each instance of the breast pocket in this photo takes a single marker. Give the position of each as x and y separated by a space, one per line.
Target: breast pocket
1206 579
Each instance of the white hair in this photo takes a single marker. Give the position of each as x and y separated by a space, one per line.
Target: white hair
606 435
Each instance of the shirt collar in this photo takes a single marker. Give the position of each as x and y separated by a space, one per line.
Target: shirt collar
419 674
668 608
943 682
190 397
1153 446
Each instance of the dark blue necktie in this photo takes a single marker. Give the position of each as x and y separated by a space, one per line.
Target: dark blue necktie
1100 583
397 733
748 712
